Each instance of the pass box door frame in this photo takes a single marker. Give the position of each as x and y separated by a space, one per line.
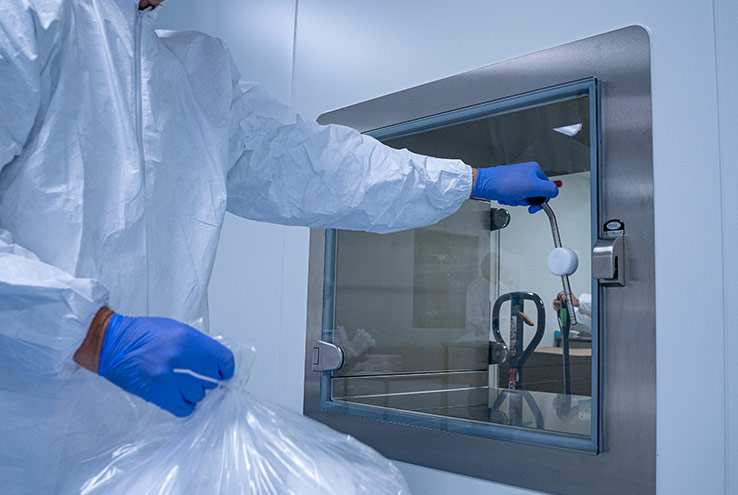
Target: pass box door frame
626 440
526 102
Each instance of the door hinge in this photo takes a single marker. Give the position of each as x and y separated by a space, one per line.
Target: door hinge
327 356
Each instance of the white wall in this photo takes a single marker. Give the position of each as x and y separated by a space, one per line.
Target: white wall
349 51
726 20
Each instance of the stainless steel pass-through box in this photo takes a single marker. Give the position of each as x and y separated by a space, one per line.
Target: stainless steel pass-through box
449 345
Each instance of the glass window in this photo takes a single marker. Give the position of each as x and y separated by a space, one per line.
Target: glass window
455 325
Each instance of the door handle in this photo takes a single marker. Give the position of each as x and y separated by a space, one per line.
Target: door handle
541 201
608 259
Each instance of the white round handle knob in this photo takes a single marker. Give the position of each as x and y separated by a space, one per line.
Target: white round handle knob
562 261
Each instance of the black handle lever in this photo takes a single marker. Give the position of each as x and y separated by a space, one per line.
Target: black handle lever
537 200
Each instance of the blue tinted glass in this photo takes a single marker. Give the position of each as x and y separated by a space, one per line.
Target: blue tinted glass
421 315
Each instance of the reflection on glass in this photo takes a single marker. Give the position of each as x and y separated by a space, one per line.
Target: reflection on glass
409 294
461 319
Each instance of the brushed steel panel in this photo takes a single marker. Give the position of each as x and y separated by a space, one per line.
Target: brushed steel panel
620 60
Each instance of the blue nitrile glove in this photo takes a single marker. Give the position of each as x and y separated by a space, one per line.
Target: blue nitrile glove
140 356
512 184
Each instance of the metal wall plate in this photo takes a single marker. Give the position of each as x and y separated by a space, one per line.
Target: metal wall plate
620 60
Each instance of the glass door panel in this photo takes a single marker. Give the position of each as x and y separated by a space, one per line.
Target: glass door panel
405 301
456 325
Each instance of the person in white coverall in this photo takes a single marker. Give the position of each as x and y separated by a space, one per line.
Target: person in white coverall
583 309
121 148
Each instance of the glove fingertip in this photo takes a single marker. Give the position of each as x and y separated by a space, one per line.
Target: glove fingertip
227 365
183 410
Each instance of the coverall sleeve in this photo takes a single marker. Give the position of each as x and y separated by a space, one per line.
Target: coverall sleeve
44 311
293 172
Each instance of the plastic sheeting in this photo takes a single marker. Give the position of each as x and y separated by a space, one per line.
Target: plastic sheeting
236 444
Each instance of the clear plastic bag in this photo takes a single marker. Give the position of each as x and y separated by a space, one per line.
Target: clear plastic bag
236 444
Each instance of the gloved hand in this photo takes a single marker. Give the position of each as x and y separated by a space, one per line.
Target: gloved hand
140 354
512 184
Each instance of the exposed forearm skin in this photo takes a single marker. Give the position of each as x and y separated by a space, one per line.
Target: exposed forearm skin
88 354
474 181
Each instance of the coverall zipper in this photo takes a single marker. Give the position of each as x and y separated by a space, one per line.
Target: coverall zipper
139 132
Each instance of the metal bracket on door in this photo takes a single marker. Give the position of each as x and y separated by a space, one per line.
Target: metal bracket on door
327 356
608 261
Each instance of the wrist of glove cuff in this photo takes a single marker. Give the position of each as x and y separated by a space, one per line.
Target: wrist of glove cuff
88 354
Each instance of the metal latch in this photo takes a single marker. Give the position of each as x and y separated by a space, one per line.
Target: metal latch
326 356
608 261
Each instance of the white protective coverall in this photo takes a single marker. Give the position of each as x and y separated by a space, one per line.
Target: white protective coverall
121 148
